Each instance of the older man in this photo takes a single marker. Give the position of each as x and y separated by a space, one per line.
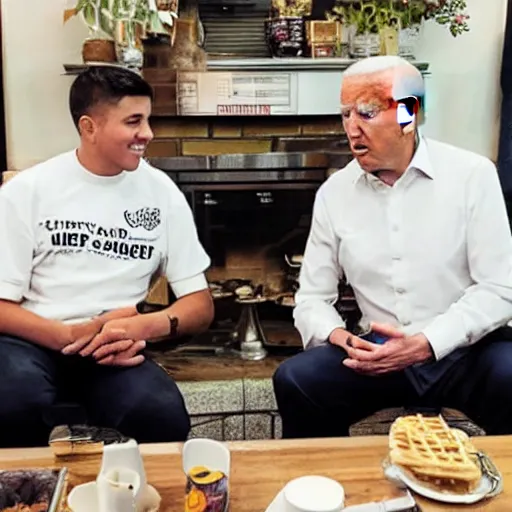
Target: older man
419 230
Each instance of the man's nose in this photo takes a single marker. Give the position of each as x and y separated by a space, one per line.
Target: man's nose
146 133
352 126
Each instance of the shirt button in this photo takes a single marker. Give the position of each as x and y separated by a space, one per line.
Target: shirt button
396 257
400 291
406 322
394 227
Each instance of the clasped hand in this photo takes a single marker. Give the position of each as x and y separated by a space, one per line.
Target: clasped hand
106 341
399 351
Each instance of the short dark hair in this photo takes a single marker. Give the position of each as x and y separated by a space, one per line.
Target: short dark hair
104 84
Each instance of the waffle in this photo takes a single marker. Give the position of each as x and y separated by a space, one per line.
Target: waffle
430 451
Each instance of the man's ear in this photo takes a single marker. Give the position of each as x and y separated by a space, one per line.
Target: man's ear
407 110
86 126
409 128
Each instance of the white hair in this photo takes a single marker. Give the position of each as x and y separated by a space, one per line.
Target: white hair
408 83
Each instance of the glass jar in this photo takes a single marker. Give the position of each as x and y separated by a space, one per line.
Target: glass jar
129 47
408 41
364 45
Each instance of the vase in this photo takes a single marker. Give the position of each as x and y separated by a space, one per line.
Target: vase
129 49
408 41
286 36
364 45
98 50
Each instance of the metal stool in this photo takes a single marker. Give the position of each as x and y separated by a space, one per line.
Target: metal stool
248 333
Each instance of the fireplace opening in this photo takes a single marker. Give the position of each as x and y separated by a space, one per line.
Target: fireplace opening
253 216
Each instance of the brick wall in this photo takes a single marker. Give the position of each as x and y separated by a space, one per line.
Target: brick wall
193 136
199 136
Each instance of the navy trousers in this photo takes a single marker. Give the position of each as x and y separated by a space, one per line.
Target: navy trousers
318 396
142 402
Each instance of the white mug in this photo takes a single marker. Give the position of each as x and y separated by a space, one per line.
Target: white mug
113 491
313 494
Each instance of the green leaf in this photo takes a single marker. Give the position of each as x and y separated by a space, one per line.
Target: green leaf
89 15
116 7
106 24
81 5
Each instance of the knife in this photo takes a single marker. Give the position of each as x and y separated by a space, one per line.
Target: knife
401 504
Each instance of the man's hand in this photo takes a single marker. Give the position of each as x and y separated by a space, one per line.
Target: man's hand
340 337
81 334
114 333
398 353
126 358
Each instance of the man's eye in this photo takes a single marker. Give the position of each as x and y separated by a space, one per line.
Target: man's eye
133 122
368 114
345 114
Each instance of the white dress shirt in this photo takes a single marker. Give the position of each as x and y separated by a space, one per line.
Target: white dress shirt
431 254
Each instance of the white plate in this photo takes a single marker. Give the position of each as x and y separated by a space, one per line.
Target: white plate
484 487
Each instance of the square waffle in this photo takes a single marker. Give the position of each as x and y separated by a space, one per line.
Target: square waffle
430 451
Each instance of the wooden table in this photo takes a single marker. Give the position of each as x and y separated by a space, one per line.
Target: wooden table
261 468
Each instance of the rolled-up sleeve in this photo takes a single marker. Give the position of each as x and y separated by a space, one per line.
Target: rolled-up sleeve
16 241
187 261
315 315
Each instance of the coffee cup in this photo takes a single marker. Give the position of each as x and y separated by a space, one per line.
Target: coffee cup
313 494
206 464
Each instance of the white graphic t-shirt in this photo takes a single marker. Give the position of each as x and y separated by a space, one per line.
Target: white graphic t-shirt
74 244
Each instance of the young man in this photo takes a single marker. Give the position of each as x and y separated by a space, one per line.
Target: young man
420 231
81 236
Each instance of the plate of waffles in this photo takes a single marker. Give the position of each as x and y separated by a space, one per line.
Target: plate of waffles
439 462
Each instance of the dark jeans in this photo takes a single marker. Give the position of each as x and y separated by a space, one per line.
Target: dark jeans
318 396
142 402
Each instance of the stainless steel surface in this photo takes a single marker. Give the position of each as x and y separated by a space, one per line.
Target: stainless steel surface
58 494
401 504
250 176
249 334
248 62
310 159
271 161
181 163
291 64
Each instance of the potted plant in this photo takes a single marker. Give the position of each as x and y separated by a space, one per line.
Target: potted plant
99 45
449 12
411 19
368 20
414 12
122 24
362 21
134 21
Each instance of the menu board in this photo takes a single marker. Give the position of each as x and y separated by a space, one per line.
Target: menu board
231 93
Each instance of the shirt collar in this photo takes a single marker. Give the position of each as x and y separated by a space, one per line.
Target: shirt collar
420 161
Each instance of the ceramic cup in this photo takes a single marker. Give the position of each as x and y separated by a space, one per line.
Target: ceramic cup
313 494
83 498
206 464
113 491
